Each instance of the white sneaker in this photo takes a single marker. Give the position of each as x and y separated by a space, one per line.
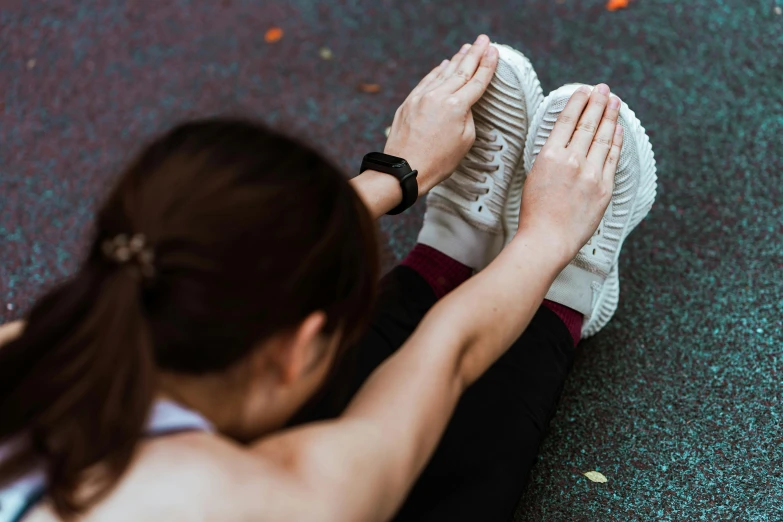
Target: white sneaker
471 215
590 284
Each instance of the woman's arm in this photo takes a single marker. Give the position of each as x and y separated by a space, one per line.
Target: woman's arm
361 466
433 128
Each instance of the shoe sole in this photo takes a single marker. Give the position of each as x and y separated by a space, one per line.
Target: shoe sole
609 295
534 96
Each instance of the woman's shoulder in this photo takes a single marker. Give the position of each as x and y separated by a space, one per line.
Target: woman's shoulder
189 476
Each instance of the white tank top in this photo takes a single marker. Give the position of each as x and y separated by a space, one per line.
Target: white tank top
17 497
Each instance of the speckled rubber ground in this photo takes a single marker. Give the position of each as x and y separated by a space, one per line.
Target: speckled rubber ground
677 402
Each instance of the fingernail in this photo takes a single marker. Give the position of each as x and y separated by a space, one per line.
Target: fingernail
444 62
464 49
584 89
619 130
603 88
482 39
614 103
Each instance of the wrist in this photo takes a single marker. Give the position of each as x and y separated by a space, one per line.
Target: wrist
426 182
380 192
552 246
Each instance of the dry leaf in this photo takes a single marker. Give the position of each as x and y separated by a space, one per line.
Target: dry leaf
325 53
595 476
614 5
274 34
387 131
370 88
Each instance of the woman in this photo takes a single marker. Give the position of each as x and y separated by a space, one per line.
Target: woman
231 271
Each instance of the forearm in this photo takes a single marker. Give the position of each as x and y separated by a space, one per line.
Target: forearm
487 313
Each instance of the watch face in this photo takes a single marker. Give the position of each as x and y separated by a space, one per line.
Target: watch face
385 160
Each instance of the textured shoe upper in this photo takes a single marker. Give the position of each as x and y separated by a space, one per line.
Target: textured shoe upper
478 188
600 253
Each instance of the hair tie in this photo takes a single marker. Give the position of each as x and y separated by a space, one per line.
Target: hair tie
122 250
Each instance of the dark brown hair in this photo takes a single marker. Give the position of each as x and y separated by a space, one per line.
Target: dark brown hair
251 232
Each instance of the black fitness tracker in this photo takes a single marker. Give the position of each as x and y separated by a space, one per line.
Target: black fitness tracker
398 168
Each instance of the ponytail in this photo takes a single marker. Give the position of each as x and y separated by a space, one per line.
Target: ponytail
78 384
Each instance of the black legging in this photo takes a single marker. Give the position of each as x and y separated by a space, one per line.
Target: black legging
481 465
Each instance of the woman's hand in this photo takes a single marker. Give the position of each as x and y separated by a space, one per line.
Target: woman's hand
570 186
433 128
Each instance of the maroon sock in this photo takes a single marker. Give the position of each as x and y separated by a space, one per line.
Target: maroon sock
441 272
571 318
444 274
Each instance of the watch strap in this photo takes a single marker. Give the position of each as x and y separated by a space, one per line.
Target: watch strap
410 193
401 170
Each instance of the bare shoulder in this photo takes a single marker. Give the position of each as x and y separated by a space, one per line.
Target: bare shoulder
197 476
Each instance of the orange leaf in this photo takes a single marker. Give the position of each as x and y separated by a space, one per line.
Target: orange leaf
274 34
614 5
370 88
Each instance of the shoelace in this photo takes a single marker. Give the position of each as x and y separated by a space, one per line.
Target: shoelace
473 171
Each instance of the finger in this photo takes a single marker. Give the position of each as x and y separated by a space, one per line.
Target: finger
466 68
472 91
591 117
613 159
566 121
451 67
429 79
602 141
